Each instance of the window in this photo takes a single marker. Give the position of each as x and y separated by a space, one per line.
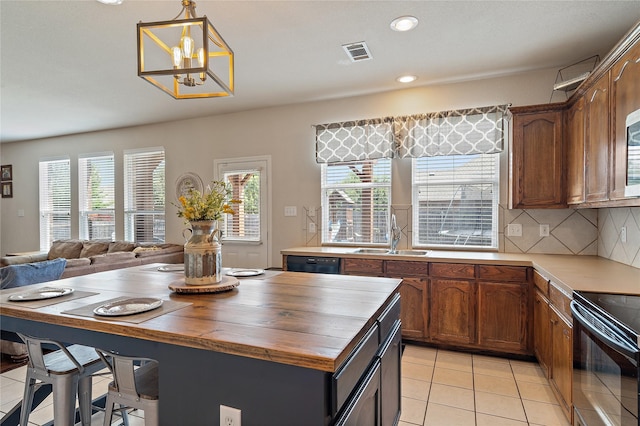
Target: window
455 200
144 195
245 223
55 201
96 197
356 200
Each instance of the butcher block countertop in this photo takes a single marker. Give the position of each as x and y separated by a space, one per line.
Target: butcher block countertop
582 273
300 319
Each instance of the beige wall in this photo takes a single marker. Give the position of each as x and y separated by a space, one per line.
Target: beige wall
284 133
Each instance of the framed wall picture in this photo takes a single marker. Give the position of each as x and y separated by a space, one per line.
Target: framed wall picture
6 173
7 189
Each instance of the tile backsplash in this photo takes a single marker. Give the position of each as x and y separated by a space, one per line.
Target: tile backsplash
580 231
611 243
570 231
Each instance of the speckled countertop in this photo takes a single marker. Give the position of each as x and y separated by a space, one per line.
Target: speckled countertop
585 273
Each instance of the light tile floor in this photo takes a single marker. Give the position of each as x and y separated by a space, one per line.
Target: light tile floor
439 388
445 388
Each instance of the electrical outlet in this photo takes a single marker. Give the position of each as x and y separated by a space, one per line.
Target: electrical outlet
229 416
514 230
623 234
544 230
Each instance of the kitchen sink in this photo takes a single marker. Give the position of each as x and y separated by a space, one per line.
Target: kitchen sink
397 253
412 252
372 251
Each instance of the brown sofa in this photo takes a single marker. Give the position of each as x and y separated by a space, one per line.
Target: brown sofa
86 257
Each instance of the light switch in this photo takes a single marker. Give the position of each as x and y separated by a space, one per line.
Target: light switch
290 211
312 228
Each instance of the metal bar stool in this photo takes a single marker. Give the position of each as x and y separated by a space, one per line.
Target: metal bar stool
68 370
132 387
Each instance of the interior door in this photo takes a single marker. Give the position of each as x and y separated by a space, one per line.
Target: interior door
245 240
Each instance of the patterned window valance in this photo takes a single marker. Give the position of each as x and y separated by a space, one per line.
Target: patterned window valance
458 132
354 140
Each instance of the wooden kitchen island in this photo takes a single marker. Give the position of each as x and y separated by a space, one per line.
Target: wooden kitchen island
285 348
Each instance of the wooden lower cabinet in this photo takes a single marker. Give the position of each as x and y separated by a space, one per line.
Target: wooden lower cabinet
502 316
542 331
413 310
452 311
561 377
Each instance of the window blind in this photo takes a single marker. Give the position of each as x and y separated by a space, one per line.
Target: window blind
455 200
55 201
356 202
96 197
245 223
144 196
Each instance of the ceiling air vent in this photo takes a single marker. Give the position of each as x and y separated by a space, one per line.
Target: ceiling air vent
357 51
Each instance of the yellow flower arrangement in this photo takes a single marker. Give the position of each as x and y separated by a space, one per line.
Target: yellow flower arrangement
209 205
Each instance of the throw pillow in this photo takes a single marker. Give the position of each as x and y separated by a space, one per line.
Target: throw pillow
92 248
117 246
68 249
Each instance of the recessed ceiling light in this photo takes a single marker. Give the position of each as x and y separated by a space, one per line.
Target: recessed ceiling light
406 78
111 2
404 23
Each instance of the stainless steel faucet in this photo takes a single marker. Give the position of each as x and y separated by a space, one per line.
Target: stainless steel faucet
394 234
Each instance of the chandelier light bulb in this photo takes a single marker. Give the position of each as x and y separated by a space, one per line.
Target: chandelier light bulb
177 57
187 47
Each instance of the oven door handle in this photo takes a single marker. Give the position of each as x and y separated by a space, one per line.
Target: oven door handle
617 344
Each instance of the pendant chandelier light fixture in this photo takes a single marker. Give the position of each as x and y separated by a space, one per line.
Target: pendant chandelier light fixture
186 58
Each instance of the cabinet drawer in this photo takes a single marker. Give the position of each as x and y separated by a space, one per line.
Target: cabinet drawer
389 318
452 270
401 268
371 267
345 380
502 273
541 283
560 300
364 407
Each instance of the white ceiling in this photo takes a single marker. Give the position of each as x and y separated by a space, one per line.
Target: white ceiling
69 66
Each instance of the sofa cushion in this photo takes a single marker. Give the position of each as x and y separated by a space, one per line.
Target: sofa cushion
83 261
68 249
91 248
112 257
117 246
31 273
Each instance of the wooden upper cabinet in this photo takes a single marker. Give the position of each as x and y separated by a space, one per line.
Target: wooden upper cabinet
625 97
537 157
597 141
574 137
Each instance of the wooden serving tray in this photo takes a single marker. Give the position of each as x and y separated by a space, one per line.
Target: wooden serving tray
227 283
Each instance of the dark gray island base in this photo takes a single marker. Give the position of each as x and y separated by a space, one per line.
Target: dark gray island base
288 380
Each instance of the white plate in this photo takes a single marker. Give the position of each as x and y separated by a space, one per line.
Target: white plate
171 268
244 272
134 305
41 294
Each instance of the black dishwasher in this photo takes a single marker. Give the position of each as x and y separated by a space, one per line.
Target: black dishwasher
322 265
